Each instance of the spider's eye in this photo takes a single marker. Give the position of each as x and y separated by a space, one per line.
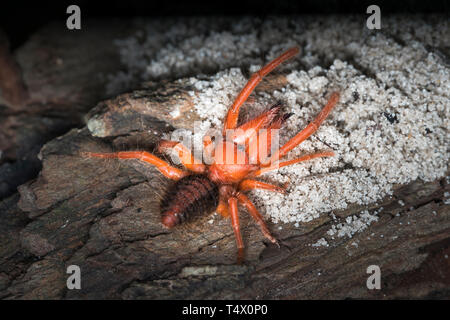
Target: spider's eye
213 138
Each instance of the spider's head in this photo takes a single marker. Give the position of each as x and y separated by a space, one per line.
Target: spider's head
231 164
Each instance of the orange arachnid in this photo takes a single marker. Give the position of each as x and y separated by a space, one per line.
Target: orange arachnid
201 188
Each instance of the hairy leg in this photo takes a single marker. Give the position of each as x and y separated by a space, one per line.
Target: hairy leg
163 167
243 199
233 204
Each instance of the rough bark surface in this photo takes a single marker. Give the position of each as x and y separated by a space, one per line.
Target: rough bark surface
47 85
104 217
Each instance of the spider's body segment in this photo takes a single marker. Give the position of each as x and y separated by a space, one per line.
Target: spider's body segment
189 198
236 162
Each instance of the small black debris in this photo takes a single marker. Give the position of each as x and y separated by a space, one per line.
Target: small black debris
392 117
355 96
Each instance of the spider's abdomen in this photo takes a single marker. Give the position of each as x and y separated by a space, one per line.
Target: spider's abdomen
188 198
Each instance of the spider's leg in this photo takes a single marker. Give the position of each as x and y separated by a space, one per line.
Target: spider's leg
184 154
233 112
257 216
289 162
249 184
305 133
163 167
233 203
243 133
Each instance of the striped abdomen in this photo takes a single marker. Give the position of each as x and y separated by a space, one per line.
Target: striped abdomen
188 198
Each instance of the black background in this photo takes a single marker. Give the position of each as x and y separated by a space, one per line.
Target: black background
277 309
20 18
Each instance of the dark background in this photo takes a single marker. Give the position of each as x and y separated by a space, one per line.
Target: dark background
21 18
